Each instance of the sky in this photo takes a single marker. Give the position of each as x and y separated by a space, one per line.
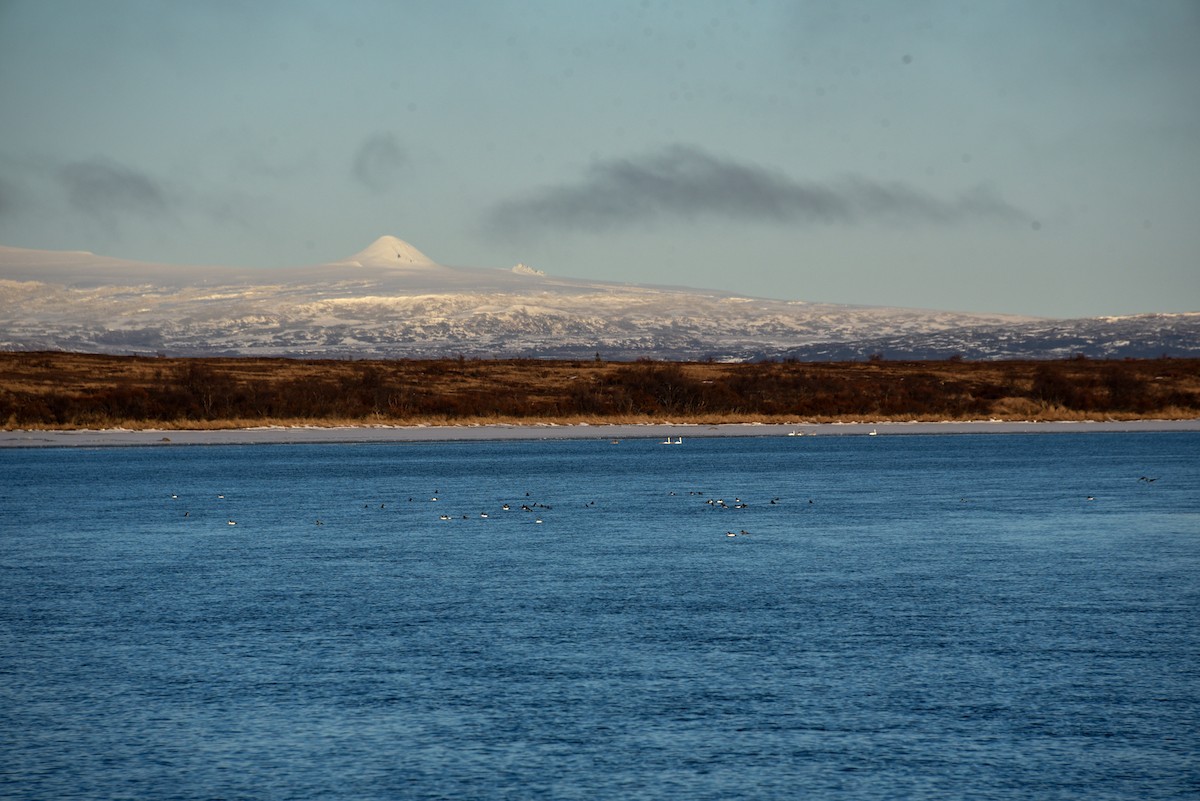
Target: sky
1025 156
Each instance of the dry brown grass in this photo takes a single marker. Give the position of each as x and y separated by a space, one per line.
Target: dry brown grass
68 390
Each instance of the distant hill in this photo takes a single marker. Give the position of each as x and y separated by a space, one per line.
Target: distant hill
391 300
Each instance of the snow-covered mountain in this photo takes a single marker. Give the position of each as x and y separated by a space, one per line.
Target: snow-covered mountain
391 300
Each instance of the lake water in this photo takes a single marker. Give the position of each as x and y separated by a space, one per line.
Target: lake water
974 616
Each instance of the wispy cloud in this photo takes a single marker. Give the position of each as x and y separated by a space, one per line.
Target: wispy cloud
105 190
685 183
378 162
7 195
119 197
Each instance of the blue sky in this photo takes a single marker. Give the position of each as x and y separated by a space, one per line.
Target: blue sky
1028 157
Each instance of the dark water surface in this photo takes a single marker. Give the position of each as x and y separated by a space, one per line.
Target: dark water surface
950 616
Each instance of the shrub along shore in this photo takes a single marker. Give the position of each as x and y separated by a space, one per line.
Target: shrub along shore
55 390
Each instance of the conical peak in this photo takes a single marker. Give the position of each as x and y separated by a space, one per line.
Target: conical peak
390 251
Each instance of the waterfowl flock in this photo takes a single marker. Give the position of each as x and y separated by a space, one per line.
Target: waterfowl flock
539 512
523 505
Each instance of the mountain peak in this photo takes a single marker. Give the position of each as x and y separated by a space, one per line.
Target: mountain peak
391 251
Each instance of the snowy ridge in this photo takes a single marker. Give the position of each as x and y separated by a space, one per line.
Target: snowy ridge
390 300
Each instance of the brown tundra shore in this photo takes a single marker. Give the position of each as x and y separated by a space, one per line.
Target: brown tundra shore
71 391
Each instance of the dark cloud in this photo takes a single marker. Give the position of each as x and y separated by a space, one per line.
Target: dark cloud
105 190
378 161
900 202
685 183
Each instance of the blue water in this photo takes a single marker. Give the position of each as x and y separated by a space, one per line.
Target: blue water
915 617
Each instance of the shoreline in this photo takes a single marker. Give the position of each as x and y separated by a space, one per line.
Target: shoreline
287 435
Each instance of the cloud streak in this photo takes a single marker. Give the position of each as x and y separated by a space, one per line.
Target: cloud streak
7 194
114 195
685 183
104 189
